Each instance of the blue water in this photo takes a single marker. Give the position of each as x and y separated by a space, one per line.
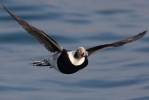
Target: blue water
113 74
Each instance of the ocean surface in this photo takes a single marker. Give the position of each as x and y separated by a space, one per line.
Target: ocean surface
113 74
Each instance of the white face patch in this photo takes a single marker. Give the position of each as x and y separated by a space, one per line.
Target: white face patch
73 60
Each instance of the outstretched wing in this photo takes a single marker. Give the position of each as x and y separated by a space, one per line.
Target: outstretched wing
39 35
115 44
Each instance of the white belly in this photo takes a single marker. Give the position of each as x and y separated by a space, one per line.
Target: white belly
53 60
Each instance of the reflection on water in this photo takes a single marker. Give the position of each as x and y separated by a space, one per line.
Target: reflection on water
117 74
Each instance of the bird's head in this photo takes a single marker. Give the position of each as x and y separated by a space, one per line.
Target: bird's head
81 52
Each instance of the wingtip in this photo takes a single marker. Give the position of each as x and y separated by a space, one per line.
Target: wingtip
2 4
143 33
4 7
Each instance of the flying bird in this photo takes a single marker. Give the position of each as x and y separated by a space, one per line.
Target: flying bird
66 61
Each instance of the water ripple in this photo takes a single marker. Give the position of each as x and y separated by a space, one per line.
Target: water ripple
24 8
143 49
141 98
77 21
16 88
24 38
113 11
16 37
107 84
105 36
137 64
93 83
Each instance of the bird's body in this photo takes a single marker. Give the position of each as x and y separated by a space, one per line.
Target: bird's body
66 61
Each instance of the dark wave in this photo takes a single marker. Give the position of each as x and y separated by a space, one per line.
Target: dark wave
16 88
93 83
25 38
141 98
113 11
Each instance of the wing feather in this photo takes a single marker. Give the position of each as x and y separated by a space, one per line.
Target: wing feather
115 44
39 35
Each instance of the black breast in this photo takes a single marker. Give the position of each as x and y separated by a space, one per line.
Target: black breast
65 65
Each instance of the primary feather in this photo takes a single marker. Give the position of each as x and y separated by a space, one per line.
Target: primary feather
39 35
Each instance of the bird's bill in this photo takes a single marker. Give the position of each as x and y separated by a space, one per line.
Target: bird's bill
85 54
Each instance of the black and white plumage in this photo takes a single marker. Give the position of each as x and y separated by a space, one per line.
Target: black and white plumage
66 61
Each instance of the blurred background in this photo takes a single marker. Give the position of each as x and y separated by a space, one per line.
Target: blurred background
113 74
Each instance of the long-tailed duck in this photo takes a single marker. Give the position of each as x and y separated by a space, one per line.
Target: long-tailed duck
66 61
